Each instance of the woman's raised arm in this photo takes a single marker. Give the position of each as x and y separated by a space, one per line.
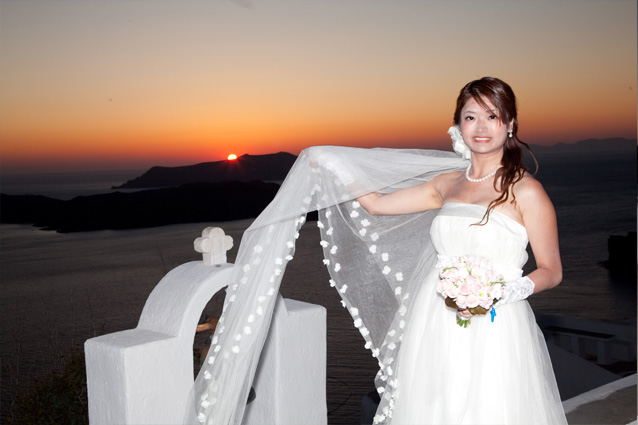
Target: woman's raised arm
423 197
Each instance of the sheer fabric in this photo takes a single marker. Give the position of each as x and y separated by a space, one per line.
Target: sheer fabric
375 262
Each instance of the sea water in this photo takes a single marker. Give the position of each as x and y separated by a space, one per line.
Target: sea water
594 195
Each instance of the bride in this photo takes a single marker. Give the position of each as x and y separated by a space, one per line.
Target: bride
488 372
390 221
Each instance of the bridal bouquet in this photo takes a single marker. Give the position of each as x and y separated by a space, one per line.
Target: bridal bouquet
469 283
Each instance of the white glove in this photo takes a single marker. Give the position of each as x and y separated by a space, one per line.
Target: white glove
516 290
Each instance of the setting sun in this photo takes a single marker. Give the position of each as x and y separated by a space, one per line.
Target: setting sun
232 157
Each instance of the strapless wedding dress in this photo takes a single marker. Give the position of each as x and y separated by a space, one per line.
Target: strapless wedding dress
492 372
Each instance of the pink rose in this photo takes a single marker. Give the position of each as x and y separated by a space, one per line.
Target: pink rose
451 290
486 303
477 287
471 301
460 301
465 289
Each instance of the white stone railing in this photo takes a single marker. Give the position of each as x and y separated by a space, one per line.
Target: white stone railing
145 375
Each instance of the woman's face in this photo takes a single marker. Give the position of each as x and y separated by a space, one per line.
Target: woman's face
482 130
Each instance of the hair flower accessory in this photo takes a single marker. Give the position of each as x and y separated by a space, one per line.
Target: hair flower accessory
458 144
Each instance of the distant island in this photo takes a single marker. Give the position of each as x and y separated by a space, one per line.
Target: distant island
589 145
188 203
272 167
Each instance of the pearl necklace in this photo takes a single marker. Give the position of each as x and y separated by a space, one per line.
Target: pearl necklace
467 175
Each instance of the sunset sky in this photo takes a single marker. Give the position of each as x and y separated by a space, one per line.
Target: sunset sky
101 85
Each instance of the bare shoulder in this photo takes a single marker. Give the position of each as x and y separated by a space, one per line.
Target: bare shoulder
532 200
448 176
445 179
444 182
529 190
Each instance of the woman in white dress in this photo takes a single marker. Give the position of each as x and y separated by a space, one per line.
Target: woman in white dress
492 371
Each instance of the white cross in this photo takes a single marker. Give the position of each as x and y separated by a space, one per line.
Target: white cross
213 245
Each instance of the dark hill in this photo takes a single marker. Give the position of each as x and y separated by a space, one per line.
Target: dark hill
272 167
189 203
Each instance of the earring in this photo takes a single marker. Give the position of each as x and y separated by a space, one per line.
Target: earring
510 134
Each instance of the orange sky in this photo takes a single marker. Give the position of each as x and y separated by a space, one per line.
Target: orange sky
113 85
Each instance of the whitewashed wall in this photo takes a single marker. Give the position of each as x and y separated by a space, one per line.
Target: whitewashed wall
145 375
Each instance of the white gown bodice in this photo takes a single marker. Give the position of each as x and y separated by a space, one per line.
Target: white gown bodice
502 240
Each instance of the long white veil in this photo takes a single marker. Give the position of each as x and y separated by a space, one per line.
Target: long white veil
375 262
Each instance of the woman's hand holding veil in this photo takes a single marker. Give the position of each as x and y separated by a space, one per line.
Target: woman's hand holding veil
331 161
